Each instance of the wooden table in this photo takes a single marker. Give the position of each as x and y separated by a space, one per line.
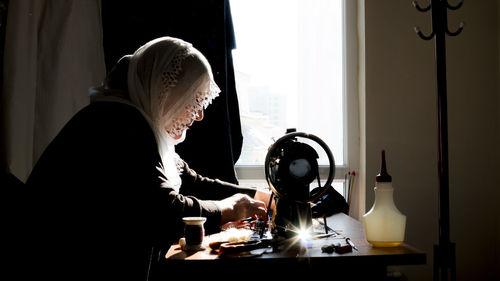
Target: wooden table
295 260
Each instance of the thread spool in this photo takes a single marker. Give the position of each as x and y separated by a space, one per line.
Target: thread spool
194 231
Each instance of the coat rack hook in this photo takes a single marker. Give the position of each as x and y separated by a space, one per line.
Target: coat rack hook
423 36
459 30
420 9
456 7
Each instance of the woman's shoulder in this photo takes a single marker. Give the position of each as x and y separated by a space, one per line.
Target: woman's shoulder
110 110
102 122
110 114
102 134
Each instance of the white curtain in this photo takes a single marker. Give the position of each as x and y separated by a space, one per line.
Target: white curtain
53 54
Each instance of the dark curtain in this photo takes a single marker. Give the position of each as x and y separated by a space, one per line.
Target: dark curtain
213 145
4 169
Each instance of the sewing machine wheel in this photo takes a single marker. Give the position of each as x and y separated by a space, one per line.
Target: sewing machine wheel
290 164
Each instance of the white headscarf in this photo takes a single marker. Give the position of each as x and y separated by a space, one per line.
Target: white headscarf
170 82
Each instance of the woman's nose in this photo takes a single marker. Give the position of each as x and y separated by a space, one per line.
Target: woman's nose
200 115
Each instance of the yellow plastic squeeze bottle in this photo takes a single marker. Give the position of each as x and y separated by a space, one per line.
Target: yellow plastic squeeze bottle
384 223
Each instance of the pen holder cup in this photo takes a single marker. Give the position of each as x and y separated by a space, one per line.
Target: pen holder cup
194 230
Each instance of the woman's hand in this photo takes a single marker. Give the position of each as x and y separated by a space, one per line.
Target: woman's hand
236 224
240 206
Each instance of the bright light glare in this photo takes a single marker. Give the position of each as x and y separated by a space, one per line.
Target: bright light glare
304 235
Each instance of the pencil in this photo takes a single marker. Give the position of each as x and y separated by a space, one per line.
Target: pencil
324 223
351 186
345 187
349 190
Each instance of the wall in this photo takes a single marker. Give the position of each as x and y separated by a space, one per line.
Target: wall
401 117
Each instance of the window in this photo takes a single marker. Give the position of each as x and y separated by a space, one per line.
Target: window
290 65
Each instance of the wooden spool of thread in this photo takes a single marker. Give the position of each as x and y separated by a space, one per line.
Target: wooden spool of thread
194 230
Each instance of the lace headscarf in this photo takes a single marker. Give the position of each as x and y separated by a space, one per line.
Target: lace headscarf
171 83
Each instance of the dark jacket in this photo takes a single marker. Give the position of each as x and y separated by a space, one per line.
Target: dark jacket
96 199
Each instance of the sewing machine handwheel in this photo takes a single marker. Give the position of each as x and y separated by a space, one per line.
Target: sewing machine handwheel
280 141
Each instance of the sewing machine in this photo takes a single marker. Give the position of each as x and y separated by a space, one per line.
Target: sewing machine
290 167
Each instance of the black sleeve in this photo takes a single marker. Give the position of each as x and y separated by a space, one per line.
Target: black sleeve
209 189
168 206
101 168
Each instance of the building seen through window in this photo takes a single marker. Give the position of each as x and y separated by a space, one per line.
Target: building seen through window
289 73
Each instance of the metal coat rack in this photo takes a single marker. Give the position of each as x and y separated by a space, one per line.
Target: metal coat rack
444 252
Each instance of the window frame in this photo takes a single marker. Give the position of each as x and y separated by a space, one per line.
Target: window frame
252 174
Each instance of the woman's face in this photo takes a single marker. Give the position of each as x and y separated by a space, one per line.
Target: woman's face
199 117
193 110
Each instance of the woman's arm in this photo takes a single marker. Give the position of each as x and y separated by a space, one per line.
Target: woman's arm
214 189
209 189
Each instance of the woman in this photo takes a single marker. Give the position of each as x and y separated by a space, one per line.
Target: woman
110 186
